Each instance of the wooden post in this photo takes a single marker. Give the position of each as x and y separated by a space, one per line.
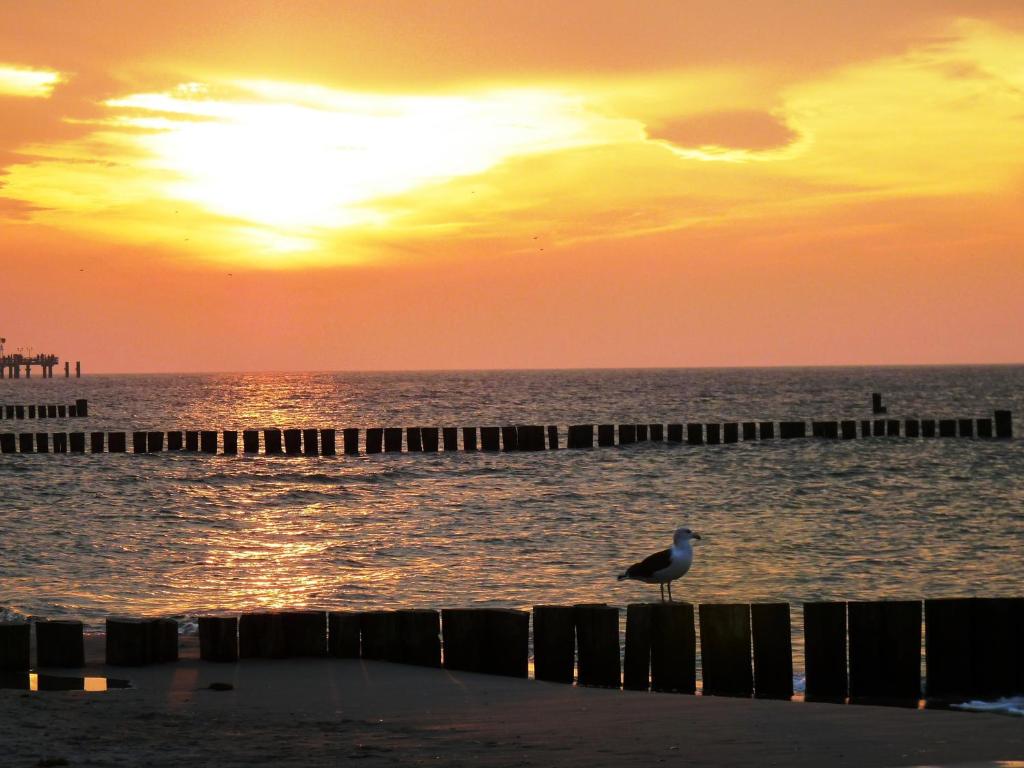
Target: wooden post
72 413
59 643
350 436
218 638
251 441
311 444
327 442
509 438
597 638
272 444
675 433
96 442
261 636
1004 424
636 661
536 437
19 411
419 633
343 634
293 442
825 651
713 433
463 631
154 442
605 435
507 649
554 643
208 441
694 434
927 427
581 436
725 649
627 434
428 437
450 438
62 412
374 440
77 442
8 443
82 407
305 633
673 648
657 433
789 430
773 651
413 439
51 411
553 444
985 428
949 651
965 427
15 645
163 640
730 432
489 438
128 642
749 430
380 637
947 427
174 440
468 440
139 441
878 428
60 442
876 403
641 433
767 429
192 440
996 644
885 650
42 442
848 429
911 427
26 442
892 427
392 439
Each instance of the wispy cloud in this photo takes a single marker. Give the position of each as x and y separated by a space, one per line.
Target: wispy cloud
27 82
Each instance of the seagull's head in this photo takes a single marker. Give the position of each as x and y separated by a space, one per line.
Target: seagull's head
683 535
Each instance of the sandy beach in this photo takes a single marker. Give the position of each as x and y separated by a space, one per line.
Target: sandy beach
314 712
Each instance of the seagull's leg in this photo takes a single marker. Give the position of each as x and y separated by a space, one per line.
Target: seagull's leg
662 588
670 591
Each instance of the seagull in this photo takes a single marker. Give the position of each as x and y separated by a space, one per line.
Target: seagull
666 566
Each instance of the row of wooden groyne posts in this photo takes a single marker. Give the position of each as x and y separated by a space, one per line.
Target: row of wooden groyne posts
323 442
871 651
76 410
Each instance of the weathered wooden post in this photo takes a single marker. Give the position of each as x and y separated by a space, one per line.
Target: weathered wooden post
8 443
218 638
912 427
927 427
72 413
1004 424
392 439
749 430
553 444
509 438
59 643
825 651
489 438
892 427
343 634
310 444
965 427
712 434
26 442
51 411
464 632
192 440
117 442
450 437
773 651
597 639
230 438
428 438
767 430
129 642
581 436
82 407
641 433
97 442
251 441
154 442
380 635
675 433
949 650
885 649
876 403
15 646
657 433
636 659
789 430
272 442
414 439
305 633
60 442
468 442
695 434
208 441
507 648
19 411
174 440
730 432
327 442
163 640
261 635
374 440
77 442
62 412
985 428
139 440
725 649
293 442
627 434
419 633
42 442
848 429
350 436
554 643
996 643
947 427
878 428
605 435
673 648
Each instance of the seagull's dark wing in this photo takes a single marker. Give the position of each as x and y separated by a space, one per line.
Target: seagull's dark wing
650 565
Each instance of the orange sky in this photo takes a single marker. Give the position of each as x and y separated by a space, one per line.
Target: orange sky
325 185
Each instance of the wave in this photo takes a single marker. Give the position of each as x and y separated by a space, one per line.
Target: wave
1010 705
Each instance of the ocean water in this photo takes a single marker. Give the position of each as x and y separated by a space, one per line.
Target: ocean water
90 536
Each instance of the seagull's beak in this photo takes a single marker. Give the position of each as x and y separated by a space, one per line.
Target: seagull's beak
696 536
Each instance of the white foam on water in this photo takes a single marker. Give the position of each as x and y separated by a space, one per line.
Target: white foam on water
1010 705
9 614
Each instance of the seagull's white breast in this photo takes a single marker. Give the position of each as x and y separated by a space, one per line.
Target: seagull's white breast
682 558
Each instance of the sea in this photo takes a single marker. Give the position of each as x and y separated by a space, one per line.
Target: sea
179 534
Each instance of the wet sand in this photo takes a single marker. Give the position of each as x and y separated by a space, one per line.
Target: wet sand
314 712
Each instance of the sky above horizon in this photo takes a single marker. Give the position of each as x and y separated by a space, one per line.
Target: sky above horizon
402 185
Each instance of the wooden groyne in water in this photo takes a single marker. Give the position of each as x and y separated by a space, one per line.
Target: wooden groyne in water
354 441
78 409
857 651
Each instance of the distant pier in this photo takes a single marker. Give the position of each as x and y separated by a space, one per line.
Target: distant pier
11 366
